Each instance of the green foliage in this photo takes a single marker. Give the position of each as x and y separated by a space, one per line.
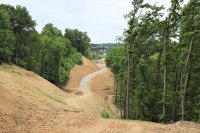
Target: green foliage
51 31
143 50
117 61
10 71
49 54
80 41
6 45
58 57
106 113
7 38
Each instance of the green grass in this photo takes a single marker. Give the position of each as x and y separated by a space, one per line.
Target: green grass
106 113
141 121
49 96
2 68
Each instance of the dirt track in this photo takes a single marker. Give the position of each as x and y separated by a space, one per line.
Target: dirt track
85 82
78 72
87 101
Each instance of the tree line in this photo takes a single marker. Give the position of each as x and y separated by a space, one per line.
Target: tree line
49 53
157 69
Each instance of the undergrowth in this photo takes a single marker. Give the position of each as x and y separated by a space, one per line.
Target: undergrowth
2 68
106 113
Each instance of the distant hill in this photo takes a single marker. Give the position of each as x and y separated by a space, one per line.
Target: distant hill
99 50
95 47
105 44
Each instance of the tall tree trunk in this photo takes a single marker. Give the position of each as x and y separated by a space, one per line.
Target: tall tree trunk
120 99
181 85
137 113
122 89
176 84
128 82
16 54
158 71
187 74
165 75
115 85
42 64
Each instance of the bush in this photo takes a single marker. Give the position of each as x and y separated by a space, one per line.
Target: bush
107 114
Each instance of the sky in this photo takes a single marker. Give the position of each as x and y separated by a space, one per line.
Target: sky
102 19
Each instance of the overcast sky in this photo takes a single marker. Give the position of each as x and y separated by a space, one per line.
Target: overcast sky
102 19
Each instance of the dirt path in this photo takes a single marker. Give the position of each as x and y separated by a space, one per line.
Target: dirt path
78 72
85 82
85 100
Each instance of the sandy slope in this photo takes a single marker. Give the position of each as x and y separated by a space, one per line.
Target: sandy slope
29 103
103 84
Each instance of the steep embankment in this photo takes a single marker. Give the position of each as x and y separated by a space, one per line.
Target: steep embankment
78 72
29 103
103 84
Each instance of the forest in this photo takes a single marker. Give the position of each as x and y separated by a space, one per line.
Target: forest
50 53
157 70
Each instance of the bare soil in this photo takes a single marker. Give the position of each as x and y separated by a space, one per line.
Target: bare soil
88 101
103 84
29 103
78 72
103 87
